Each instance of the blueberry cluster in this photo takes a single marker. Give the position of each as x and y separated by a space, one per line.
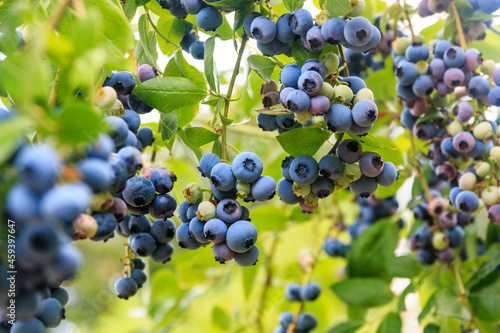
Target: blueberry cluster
208 18
372 210
275 38
305 321
306 93
222 220
305 181
475 29
191 44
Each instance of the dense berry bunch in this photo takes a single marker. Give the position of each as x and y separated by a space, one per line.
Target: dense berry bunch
222 220
371 211
480 10
305 322
191 44
305 181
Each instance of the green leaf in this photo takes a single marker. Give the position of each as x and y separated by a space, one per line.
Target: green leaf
405 266
179 67
239 17
262 66
217 148
77 123
373 250
338 7
249 279
363 292
168 125
231 5
485 269
301 55
291 5
484 297
220 318
391 324
200 136
431 31
431 302
488 46
303 140
383 82
143 35
168 93
401 302
196 150
186 114
129 9
140 53
10 132
209 63
432 328
173 29
348 326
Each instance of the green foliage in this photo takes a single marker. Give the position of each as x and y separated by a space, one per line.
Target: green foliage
303 140
363 292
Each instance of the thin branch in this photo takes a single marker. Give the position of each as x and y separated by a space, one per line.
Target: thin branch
267 284
59 12
458 24
344 62
160 34
54 93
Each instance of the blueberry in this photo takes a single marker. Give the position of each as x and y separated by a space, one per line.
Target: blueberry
364 186
322 187
274 47
318 105
139 191
349 151
463 142
355 83
371 164
97 173
311 82
286 121
479 87
106 225
358 31
178 10
338 118
447 147
39 167
405 92
389 175
283 31
130 156
229 210
285 192
335 248
183 211
454 56
136 104
425 256
139 277
222 177
247 258
496 76
440 48
102 147
494 96
267 122
241 236
65 202
193 7
146 136
437 67
406 73
298 101
373 42
473 59
417 52
221 195
333 31
197 49
163 206
37 243
285 167
123 82
456 236
284 93
331 166
248 22
263 29
304 170
139 224
422 238
222 253
264 188
163 253
215 231
292 292
423 86
489 6
32 325
315 39
187 40
196 230
364 113
300 21
289 76
306 322
285 319
424 131
247 167
126 287
463 111
22 204
467 202
454 77
207 162
146 72
60 294
494 214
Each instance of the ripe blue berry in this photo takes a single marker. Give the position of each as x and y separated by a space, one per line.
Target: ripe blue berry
338 118
132 120
467 201
364 113
358 31
264 188
463 142
440 48
331 166
126 287
197 49
263 29
479 87
389 174
423 86
454 56
298 101
292 292
463 111
456 236
39 167
314 38
185 239
215 231
222 253
454 77
304 170
196 229
222 177
221 195
371 164
247 167
146 136
163 206
285 192
494 96
283 31
289 76
333 31
406 73
417 52
163 180
349 151
247 258
229 210
267 122
139 191
364 186
241 236
426 256
322 187
163 253
247 23
139 224
65 202
136 104
300 21
163 231
131 158
489 6
286 121
123 82
335 248
310 82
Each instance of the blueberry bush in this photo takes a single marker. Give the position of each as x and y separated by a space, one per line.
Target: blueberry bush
249 166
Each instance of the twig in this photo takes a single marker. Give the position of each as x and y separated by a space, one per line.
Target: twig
410 26
342 57
267 284
236 71
336 145
458 24
463 292
54 93
160 34
61 8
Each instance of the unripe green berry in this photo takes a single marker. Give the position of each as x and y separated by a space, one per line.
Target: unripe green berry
455 127
331 62
101 202
193 193
401 44
488 67
420 39
243 189
352 172
106 97
495 154
358 7
440 241
482 204
422 67
364 93
490 195
467 181
328 91
206 211
311 199
483 130
321 18
117 109
301 190
482 169
341 183
343 94
304 117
